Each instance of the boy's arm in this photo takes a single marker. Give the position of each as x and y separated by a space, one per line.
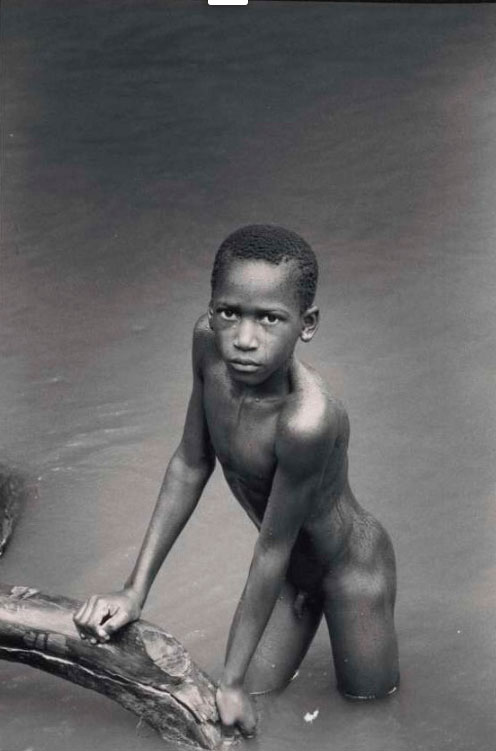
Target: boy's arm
186 476
302 452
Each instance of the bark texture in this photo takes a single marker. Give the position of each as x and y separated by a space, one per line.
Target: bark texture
142 667
13 493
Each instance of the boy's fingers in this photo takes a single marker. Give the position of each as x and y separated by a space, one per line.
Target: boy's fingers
77 622
247 722
77 615
89 608
229 732
101 634
99 612
248 725
82 614
80 619
115 623
231 727
90 617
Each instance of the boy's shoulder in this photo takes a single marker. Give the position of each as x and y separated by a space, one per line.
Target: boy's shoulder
201 329
202 341
311 420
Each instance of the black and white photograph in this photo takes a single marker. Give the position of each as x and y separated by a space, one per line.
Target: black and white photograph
248 372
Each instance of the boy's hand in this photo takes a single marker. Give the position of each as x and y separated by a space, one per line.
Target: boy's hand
102 615
236 709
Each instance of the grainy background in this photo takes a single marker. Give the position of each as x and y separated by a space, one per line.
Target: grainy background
136 135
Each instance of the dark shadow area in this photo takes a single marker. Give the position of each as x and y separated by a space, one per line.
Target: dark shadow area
15 491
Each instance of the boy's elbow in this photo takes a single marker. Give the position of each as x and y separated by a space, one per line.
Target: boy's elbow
272 557
198 469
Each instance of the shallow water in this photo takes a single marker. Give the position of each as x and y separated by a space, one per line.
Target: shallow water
136 136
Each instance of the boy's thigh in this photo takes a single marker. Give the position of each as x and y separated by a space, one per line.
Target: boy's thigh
359 610
285 641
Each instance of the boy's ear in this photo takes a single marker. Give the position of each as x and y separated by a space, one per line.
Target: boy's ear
310 319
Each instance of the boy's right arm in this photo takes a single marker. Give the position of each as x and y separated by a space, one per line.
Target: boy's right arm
186 476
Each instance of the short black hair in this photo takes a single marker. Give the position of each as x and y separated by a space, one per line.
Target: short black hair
267 242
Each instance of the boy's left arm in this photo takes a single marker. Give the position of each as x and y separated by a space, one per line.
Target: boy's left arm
301 454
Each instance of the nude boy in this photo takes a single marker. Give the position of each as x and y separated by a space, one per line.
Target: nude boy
281 440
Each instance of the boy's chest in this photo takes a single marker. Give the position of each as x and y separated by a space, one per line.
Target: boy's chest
242 430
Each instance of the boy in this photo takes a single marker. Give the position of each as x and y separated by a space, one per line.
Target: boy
281 440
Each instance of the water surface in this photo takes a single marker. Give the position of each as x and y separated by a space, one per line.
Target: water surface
136 136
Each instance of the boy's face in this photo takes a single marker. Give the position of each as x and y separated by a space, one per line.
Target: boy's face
255 314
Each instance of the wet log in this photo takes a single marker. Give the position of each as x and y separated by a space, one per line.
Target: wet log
143 668
14 490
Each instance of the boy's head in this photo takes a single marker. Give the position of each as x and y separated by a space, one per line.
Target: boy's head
263 285
275 245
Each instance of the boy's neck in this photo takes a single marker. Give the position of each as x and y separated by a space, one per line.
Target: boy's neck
278 385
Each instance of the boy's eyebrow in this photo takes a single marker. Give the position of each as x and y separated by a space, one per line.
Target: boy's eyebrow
265 309
274 309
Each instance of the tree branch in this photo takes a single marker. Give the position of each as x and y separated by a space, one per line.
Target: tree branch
142 667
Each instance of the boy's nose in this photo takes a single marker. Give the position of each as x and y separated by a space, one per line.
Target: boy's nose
246 336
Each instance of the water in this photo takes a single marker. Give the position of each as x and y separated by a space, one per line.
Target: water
135 137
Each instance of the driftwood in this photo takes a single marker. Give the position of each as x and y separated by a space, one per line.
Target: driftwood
14 490
142 667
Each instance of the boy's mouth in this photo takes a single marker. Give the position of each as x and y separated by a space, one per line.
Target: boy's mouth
244 366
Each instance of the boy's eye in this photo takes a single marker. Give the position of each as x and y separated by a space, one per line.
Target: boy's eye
269 318
227 314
